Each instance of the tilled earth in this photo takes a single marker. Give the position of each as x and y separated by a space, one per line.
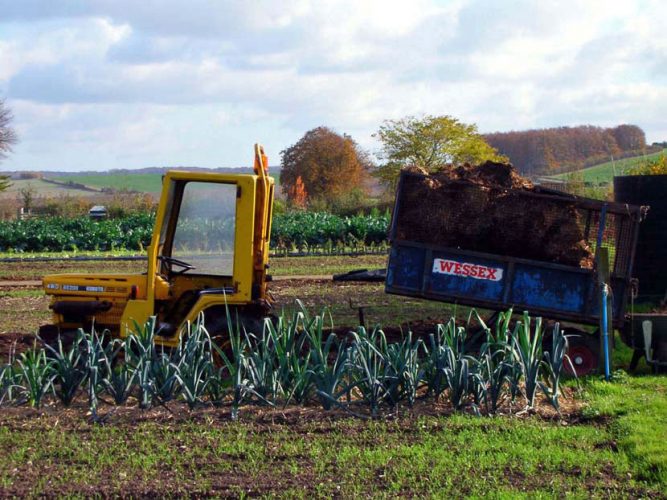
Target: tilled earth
297 451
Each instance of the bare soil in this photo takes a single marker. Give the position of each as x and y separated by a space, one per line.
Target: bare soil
230 474
265 417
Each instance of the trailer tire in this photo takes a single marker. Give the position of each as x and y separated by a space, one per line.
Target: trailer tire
584 353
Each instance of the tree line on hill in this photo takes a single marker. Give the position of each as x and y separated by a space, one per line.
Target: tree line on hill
563 149
325 169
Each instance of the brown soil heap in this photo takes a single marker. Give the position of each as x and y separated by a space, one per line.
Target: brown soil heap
490 208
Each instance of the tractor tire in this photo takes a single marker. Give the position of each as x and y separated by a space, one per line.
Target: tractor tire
215 321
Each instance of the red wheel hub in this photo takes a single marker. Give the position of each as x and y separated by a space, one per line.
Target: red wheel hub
583 358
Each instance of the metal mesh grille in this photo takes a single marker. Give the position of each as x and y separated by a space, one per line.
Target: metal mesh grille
112 316
616 237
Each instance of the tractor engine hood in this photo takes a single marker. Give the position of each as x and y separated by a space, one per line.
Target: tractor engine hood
96 285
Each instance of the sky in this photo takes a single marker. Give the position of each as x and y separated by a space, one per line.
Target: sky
102 84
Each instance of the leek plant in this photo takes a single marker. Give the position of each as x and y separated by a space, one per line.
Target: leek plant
435 363
458 375
163 377
495 371
217 387
194 362
139 354
97 353
119 377
120 382
404 369
328 363
368 371
496 363
445 347
291 356
233 364
262 379
10 378
555 361
527 344
69 367
36 375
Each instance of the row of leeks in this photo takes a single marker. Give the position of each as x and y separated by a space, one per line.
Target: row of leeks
295 359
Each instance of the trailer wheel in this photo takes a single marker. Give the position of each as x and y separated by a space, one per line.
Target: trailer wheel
584 352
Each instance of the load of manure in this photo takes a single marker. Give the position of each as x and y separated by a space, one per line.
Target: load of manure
490 208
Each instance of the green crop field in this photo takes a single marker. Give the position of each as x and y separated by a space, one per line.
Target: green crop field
605 172
43 189
145 183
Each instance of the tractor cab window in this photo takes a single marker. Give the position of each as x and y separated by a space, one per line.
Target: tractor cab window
204 230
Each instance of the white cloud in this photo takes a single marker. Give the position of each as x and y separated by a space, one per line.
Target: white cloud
175 83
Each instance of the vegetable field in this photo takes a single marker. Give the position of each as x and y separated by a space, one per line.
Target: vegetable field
298 359
300 231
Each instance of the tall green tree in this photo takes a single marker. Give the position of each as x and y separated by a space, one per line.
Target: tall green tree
7 139
429 142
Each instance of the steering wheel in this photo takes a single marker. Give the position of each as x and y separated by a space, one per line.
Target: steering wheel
170 261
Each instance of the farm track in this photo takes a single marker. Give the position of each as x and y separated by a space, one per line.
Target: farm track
132 258
38 283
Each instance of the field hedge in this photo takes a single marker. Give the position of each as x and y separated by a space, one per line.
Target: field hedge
290 231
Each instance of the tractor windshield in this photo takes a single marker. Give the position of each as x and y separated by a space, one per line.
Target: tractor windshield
205 228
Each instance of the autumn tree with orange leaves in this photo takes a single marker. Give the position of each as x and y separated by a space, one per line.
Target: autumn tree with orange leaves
322 165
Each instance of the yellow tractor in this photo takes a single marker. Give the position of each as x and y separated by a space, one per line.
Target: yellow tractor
208 254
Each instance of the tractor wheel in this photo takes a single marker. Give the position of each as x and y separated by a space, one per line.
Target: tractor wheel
584 353
215 321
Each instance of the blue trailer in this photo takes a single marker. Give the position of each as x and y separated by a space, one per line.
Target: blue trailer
466 274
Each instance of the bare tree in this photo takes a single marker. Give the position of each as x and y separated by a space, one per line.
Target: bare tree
7 139
7 134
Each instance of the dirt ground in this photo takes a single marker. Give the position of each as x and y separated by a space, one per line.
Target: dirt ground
310 423
131 415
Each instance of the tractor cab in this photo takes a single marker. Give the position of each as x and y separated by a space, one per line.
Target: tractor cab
208 254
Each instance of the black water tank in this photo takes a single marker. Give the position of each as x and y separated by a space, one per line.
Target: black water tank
650 266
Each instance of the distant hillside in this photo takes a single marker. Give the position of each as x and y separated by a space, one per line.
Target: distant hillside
145 183
563 149
605 172
44 188
145 180
161 170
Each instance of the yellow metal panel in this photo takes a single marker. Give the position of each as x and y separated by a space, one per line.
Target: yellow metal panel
136 310
243 244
